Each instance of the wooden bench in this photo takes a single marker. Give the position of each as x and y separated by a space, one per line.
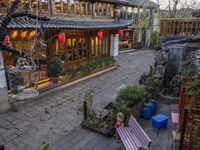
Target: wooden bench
133 136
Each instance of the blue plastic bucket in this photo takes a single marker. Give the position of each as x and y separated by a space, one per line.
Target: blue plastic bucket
146 111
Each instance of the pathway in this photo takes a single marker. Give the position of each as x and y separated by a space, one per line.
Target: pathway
58 113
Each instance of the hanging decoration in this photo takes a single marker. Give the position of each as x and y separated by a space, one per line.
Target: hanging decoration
6 40
120 32
61 37
100 35
14 34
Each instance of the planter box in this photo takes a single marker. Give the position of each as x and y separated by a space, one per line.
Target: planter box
106 132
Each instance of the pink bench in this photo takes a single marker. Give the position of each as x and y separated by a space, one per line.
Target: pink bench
133 137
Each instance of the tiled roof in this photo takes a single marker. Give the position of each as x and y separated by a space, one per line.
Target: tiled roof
67 23
196 13
133 2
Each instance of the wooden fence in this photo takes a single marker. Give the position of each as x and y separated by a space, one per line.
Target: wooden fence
171 26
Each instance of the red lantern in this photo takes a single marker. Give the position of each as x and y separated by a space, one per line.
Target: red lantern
120 32
100 35
61 37
6 40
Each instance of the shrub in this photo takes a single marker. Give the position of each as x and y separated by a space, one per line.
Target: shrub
128 97
55 68
15 79
188 68
152 84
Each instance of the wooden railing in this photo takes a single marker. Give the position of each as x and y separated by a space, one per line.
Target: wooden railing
170 26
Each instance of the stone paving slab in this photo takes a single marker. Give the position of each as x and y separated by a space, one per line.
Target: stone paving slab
89 140
58 113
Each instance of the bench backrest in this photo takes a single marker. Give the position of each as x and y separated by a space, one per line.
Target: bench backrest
139 132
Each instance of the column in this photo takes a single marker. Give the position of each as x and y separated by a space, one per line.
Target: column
114 46
4 104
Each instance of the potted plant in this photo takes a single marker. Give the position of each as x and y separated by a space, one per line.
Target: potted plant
128 98
55 68
152 85
15 80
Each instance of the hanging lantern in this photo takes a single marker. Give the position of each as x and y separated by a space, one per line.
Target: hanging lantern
61 37
100 35
120 32
6 40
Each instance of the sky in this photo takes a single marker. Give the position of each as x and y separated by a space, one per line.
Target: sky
183 3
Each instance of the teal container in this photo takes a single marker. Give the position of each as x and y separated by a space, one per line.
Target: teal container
146 111
153 105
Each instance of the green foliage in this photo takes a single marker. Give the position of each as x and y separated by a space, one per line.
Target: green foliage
45 147
194 88
154 39
15 79
128 97
188 68
89 97
55 68
90 66
152 84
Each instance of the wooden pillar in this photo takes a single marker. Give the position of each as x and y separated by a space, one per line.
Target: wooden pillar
69 8
80 8
126 10
86 8
183 130
53 6
75 8
61 7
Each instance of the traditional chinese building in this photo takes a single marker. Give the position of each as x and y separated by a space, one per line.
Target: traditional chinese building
76 31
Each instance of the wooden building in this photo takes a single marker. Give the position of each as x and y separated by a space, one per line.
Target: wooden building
80 21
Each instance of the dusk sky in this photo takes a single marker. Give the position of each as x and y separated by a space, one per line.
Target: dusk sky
183 3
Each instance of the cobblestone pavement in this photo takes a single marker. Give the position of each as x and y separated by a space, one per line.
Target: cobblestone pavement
59 113
81 139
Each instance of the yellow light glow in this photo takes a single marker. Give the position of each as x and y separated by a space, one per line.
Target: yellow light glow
14 34
23 34
31 35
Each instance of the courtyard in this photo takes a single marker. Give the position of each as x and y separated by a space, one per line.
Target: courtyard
59 113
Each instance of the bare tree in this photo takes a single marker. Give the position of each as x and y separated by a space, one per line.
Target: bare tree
173 7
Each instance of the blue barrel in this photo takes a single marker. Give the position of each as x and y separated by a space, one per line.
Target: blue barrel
146 111
153 105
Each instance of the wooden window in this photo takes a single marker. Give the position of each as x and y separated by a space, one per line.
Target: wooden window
72 7
45 5
34 5
58 6
65 7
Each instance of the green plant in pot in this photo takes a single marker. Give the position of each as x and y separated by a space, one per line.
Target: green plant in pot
128 97
152 85
55 68
15 80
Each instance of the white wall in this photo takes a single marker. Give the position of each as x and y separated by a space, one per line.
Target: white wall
4 105
114 45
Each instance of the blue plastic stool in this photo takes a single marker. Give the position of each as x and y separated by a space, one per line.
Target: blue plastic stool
159 121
